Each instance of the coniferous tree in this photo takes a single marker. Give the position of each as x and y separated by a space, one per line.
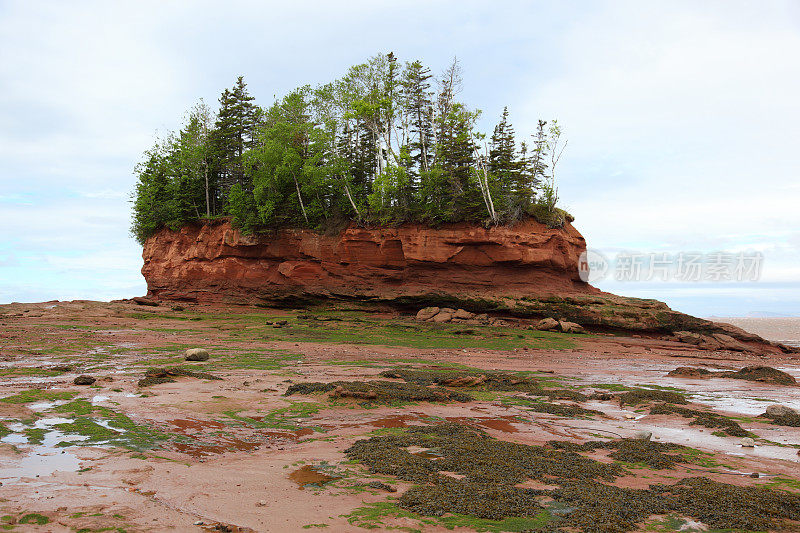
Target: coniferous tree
234 133
419 105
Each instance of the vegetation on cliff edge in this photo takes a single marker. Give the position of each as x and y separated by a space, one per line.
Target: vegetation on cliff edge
384 144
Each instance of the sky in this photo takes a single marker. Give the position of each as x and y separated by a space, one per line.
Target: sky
682 117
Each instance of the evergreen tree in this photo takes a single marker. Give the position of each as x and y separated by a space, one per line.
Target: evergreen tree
419 105
234 132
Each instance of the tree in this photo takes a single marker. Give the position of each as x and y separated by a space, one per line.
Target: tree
195 152
234 133
418 101
378 145
151 205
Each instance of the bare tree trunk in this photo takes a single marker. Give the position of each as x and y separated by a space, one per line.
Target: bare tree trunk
349 197
484 182
300 197
208 204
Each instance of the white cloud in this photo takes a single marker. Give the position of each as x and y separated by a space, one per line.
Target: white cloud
682 116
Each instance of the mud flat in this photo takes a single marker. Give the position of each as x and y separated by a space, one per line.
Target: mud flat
345 419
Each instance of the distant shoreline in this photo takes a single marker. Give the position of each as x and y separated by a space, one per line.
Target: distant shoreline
785 330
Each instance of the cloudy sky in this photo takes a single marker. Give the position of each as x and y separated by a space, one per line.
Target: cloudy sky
683 119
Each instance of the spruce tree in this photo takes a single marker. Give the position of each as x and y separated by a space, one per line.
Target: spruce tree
419 105
234 132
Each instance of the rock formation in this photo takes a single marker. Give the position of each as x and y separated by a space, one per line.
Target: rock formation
217 263
526 270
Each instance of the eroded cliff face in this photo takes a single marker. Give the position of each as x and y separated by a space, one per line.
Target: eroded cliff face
216 263
528 271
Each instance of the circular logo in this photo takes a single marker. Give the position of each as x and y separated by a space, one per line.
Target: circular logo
592 266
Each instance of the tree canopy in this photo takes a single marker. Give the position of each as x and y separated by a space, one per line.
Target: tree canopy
383 144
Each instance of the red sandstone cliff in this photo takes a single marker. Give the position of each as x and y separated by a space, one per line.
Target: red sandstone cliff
215 262
528 270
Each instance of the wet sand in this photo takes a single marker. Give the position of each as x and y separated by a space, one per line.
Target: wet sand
196 454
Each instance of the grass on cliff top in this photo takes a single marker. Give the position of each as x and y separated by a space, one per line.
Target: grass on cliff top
352 327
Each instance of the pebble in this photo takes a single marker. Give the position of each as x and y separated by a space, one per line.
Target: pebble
261 503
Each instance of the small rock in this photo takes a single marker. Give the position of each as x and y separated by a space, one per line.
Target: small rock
282 322
199 523
482 317
747 442
427 313
261 503
778 410
643 435
197 354
84 380
629 416
547 324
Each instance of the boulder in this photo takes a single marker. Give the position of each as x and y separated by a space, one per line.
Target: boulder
777 410
84 380
197 354
427 313
747 442
444 315
570 327
142 300
643 435
461 314
547 324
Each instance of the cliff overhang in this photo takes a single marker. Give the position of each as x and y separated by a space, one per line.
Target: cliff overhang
527 270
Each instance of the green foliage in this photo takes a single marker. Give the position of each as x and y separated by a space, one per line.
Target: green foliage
379 145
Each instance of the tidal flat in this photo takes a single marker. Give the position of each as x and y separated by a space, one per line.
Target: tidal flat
344 418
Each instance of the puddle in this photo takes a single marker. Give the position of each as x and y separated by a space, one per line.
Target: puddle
42 460
309 476
746 406
398 421
727 445
44 405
